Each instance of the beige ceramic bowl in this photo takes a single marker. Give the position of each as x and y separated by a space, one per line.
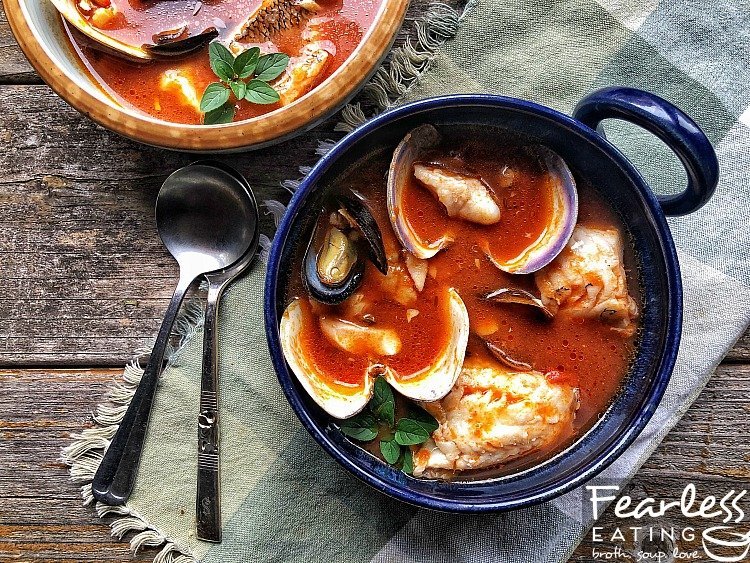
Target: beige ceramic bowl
38 29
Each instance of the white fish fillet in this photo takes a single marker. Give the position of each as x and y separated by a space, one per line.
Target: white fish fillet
303 72
463 197
181 81
358 339
588 279
493 416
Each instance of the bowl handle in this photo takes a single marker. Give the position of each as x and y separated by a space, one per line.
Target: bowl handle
680 133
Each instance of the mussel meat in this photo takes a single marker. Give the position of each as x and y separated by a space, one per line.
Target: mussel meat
335 270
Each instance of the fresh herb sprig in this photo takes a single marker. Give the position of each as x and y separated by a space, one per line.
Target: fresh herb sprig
245 77
379 419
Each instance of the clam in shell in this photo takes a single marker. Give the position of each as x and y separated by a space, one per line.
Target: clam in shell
84 15
471 199
431 383
562 219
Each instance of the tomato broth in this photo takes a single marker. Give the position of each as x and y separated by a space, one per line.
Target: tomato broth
339 25
582 353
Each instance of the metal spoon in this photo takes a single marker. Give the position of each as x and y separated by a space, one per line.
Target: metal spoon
207 221
208 498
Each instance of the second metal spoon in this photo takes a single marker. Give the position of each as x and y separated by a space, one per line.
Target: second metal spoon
208 497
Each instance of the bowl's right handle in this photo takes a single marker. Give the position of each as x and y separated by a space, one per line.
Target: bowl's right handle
680 133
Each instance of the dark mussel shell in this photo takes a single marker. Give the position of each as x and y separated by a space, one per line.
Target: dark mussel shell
173 43
356 211
329 294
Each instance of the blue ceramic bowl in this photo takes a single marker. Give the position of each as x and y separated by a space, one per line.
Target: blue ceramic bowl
589 156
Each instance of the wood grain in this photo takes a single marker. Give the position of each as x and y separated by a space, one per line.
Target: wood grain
42 517
14 68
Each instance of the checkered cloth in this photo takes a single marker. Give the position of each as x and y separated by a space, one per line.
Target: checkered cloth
283 498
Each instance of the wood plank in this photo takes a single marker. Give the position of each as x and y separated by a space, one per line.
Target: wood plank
41 517
14 68
741 350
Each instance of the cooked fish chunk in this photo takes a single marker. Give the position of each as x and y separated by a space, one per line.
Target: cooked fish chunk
273 16
181 81
303 72
358 339
463 196
493 416
588 280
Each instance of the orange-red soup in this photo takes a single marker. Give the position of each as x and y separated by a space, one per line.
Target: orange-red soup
341 24
585 353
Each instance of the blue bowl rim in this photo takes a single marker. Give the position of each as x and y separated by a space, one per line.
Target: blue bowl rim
674 302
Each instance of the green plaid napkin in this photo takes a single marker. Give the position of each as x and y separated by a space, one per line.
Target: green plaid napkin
283 498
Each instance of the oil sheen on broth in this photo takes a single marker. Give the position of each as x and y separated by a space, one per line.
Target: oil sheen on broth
171 89
570 350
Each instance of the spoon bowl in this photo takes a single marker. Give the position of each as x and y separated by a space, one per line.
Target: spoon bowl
207 219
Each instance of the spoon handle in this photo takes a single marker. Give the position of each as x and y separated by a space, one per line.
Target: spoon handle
114 479
208 499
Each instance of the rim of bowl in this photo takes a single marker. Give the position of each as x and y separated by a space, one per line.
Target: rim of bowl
270 128
658 384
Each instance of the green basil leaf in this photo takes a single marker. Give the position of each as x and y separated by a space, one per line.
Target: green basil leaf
239 88
423 418
362 427
222 70
271 66
214 96
245 63
391 450
407 464
410 432
383 404
217 52
223 114
258 92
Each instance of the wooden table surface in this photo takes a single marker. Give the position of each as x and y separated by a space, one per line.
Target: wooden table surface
84 282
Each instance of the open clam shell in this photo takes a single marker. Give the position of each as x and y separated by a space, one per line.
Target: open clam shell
167 44
537 255
409 150
341 401
436 380
108 43
337 400
562 219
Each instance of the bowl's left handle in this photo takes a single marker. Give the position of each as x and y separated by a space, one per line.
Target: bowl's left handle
673 126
